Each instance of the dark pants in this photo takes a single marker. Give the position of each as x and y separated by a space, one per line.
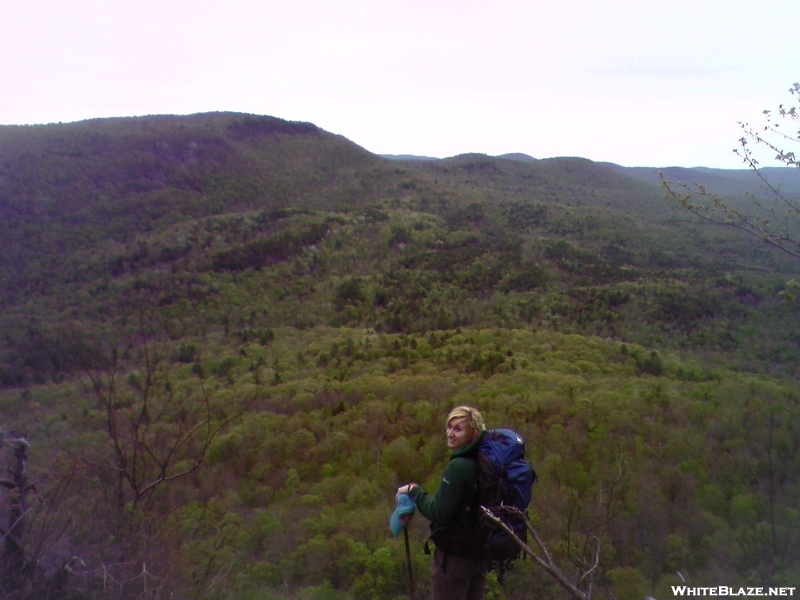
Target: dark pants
458 577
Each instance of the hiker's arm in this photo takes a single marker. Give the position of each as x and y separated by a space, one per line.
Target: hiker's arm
441 508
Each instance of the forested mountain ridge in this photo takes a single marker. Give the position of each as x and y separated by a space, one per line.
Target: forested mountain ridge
316 309
726 182
104 206
114 178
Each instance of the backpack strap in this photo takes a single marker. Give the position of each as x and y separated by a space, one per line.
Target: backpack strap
428 553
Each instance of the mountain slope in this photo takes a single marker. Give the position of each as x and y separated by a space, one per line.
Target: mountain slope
220 215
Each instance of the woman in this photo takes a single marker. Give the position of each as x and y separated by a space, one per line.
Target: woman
459 571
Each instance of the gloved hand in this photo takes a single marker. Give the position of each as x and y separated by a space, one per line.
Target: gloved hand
404 489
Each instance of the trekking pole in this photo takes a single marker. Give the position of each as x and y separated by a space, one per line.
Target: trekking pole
408 560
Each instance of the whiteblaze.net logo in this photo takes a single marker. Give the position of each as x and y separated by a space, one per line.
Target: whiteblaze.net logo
725 591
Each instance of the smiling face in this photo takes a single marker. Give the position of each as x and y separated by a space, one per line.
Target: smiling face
459 433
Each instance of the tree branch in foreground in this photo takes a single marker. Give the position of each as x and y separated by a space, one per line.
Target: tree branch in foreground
545 561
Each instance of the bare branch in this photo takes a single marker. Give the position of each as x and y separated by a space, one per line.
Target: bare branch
775 221
717 212
545 563
595 563
151 432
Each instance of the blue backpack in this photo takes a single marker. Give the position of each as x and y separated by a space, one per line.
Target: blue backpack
505 478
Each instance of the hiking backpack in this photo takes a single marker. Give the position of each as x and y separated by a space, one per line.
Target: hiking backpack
505 479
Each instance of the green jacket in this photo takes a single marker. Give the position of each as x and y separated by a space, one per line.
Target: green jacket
454 506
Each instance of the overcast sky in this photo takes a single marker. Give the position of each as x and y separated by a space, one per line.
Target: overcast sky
635 82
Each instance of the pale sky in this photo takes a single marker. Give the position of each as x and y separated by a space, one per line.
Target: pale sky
634 82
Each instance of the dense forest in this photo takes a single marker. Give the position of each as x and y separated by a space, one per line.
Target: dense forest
226 339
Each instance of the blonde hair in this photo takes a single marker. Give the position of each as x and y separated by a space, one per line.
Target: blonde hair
470 414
